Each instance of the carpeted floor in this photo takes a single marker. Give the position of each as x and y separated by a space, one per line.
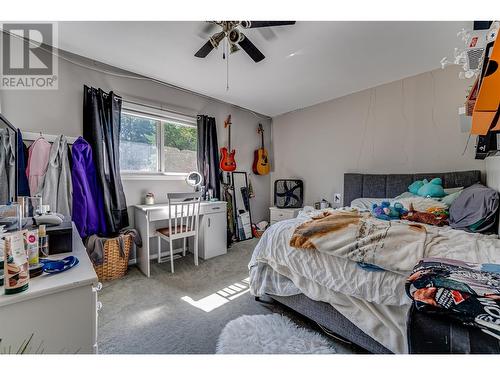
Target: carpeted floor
182 312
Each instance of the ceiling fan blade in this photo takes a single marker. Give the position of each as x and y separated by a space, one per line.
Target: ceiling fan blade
250 48
205 50
255 24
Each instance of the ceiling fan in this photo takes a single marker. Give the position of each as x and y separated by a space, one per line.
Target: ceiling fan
236 39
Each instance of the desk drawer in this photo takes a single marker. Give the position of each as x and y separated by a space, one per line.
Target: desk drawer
163 213
212 208
159 214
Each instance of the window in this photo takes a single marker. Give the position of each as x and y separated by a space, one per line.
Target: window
138 144
151 144
180 142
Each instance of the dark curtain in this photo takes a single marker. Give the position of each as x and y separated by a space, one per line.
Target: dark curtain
101 129
208 154
23 189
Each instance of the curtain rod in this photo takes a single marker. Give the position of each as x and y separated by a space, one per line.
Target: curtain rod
124 100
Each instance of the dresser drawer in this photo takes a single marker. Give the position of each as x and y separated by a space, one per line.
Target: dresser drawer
278 214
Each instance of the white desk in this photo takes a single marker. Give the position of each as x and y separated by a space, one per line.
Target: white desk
212 233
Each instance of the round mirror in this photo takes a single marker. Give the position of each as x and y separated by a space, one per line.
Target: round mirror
193 179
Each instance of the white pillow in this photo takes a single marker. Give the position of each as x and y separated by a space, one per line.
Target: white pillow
453 190
365 204
406 194
420 203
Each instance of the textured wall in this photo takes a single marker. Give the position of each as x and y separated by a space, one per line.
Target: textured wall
406 126
60 111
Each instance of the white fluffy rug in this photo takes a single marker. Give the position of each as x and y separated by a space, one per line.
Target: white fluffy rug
270 334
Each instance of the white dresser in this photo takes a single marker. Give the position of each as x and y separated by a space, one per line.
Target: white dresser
212 235
58 313
279 214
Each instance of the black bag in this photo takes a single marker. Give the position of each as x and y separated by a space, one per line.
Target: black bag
434 334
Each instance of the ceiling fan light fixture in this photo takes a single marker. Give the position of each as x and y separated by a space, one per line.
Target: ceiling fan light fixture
217 38
234 36
233 48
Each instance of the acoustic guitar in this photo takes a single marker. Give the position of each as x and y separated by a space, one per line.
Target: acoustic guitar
261 164
227 162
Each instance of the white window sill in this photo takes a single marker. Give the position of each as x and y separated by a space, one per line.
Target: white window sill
154 176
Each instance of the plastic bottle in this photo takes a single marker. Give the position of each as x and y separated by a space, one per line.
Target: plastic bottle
43 241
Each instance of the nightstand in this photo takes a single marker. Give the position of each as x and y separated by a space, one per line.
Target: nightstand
279 214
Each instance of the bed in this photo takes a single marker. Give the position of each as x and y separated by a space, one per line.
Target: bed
328 289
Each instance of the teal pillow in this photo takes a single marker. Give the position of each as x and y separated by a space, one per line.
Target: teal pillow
413 188
432 188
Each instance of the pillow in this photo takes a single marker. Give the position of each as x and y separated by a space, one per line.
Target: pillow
475 209
453 190
448 200
421 203
413 188
432 188
366 204
406 194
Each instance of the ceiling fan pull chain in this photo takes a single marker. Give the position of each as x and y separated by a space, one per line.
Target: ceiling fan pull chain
227 72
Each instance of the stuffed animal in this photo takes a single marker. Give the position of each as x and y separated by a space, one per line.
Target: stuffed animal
413 188
432 188
438 211
387 212
431 218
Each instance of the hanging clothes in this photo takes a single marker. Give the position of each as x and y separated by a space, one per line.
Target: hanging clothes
101 129
38 159
56 187
88 208
23 189
7 166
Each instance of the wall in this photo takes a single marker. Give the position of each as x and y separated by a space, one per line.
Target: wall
493 175
60 111
405 126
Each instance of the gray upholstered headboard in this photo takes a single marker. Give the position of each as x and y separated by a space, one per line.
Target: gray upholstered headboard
357 185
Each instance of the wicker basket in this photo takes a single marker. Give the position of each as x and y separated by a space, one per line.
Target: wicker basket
114 265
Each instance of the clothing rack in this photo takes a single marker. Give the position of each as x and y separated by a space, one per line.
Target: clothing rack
33 136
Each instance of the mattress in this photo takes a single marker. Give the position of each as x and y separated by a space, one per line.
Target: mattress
332 273
374 301
384 323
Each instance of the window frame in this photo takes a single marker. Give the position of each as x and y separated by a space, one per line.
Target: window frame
161 116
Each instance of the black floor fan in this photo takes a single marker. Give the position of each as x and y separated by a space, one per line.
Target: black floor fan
288 193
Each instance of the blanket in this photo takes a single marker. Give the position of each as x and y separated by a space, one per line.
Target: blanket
467 292
391 245
362 238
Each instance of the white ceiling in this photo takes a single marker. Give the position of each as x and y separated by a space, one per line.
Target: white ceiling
308 63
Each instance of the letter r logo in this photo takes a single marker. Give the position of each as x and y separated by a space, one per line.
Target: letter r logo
27 49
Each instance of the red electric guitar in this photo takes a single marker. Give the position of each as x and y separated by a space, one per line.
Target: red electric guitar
227 162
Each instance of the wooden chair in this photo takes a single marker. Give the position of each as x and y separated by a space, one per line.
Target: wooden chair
184 211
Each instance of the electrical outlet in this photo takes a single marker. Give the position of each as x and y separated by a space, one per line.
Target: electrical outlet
337 198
